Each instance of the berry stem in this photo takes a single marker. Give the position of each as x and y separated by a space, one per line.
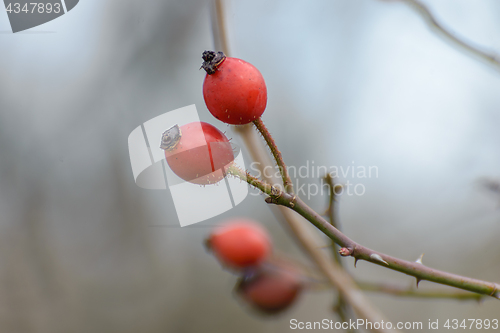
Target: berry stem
264 187
287 182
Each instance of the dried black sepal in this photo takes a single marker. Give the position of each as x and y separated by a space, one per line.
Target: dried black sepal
170 138
212 60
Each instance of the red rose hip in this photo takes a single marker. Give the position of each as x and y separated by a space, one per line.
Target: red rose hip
197 152
240 243
234 90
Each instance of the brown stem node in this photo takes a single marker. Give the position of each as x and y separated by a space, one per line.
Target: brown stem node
345 252
271 200
275 193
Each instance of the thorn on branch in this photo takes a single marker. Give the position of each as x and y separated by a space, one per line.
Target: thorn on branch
418 281
378 258
495 293
419 260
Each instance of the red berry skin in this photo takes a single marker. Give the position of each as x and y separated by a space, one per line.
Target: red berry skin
201 154
240 243
236 93
271 289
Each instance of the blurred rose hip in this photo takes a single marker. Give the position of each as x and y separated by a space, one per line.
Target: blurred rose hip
271 288
240 243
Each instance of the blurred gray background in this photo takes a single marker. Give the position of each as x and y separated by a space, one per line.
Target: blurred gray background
365 83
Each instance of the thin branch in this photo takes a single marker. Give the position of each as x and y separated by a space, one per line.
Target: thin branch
342 306
287 182
359 252
490 58
411 292
331 211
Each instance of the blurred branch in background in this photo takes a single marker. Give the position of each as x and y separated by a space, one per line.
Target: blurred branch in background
492 59
336 275
331 211
492 186
391 289
341 306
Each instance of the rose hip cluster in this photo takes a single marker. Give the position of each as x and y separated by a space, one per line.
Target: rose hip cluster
236 94
243 246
